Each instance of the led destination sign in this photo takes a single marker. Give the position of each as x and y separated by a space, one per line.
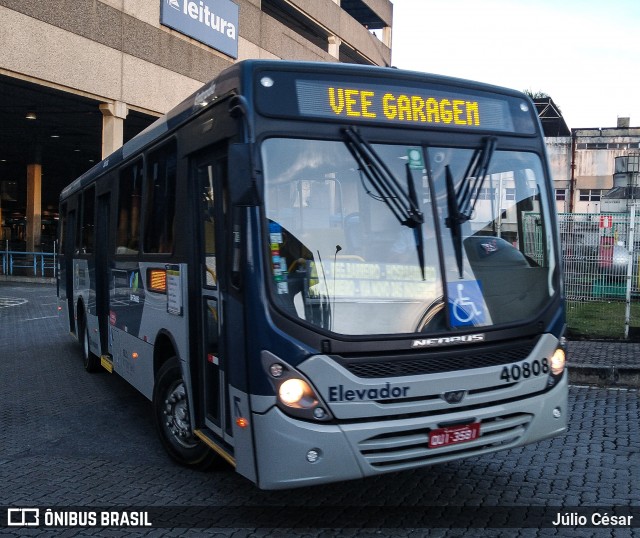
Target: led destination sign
403 107
406 105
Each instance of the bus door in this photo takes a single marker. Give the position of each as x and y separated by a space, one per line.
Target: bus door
210 171
102 269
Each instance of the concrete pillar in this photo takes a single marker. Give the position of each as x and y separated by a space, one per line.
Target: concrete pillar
386 36
34 207
113 116
334 46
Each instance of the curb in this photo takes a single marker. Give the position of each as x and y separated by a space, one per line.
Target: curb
604 376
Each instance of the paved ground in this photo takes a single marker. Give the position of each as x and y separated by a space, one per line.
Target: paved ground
70 439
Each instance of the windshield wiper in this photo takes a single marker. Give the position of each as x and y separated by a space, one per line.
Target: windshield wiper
404 205
461 204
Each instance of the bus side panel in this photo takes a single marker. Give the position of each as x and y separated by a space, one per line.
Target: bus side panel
94 336
138 315
81 289
167 313
132 360
63 301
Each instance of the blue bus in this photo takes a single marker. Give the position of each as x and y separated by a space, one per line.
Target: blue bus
321 272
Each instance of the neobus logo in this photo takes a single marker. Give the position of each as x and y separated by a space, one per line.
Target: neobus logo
448 340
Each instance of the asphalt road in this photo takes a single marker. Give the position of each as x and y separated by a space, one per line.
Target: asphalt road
72 439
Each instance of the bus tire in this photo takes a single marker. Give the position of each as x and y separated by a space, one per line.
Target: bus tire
90 361
173 422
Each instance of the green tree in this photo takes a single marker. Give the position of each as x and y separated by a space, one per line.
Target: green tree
536 95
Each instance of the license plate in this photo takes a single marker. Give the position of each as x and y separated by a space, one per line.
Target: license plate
454 435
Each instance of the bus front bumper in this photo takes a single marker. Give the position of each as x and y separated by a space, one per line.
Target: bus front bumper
293 453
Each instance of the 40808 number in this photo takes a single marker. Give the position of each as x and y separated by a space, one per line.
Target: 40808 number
524 370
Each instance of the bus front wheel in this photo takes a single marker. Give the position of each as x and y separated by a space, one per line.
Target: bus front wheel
173 420
90 361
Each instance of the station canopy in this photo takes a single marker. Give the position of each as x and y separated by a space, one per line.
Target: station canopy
59 130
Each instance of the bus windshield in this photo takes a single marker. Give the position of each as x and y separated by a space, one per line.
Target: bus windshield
395 239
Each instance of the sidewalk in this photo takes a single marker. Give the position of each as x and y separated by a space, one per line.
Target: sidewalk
604 363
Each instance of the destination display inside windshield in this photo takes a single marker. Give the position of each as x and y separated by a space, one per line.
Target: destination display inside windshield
352 99
406 105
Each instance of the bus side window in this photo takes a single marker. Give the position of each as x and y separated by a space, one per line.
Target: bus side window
160 203
128 237
62 230
87 232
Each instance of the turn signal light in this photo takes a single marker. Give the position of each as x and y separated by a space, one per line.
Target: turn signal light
157 280
242 422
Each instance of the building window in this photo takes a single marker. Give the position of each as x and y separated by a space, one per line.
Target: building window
590 195
485 193
561 195
509 194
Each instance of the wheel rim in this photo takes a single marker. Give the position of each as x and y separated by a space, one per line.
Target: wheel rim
176 415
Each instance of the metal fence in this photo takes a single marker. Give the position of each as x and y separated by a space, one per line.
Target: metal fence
32 264
600 257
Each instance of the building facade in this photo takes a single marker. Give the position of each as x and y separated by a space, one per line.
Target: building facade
80 77
584 165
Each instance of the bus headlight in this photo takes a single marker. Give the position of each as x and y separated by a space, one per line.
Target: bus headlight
296 392
296 397
557 361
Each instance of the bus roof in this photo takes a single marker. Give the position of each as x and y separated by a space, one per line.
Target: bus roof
235 78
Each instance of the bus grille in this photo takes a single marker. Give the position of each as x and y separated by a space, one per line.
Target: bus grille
436 362
408 449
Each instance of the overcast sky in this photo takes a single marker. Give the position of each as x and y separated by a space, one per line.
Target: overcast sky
585 54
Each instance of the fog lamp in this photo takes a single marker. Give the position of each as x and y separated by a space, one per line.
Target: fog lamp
276 370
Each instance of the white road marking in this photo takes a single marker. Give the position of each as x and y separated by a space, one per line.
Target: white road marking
6 302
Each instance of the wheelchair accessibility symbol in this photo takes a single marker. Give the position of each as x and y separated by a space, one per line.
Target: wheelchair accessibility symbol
466 304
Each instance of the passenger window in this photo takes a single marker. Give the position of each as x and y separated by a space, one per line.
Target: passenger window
128 237
160 199
87 232
62 230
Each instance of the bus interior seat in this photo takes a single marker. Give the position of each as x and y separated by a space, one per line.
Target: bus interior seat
485 251
513 283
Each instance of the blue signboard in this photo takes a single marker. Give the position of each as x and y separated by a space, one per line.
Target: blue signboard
466 303
212 22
